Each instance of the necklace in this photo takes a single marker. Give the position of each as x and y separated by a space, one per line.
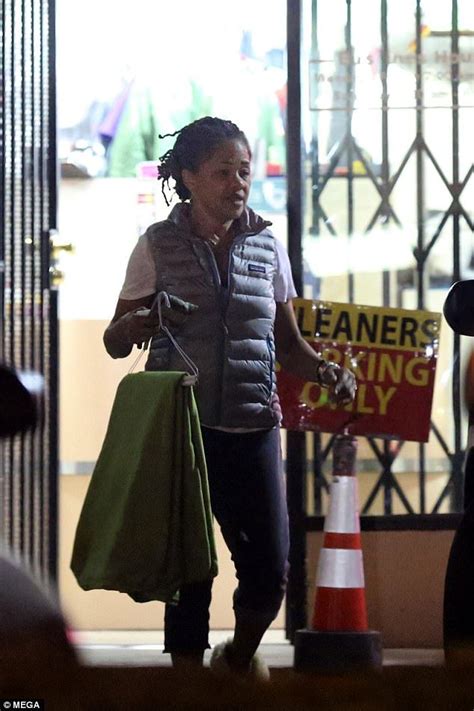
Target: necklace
214 240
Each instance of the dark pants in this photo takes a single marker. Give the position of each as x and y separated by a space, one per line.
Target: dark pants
248 501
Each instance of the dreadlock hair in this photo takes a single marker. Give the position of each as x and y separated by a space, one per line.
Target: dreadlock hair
194 144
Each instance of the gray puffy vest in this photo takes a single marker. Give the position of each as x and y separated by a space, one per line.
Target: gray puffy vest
230 336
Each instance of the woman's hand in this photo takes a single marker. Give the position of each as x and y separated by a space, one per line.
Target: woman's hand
133 327
340 382
177 312
136 322
298 357
142 324
138 326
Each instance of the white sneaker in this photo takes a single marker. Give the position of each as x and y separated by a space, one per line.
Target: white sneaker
219 663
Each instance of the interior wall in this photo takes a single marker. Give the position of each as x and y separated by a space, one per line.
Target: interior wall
108 610
404 584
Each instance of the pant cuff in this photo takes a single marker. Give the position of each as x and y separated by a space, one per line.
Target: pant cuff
244 614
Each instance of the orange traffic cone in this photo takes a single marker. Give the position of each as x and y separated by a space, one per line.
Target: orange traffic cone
340 639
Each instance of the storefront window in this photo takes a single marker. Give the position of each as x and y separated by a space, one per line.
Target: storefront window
128 73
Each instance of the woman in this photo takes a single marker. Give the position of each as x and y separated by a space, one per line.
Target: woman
232 314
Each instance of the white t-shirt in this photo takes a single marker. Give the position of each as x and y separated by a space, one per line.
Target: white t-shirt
140 278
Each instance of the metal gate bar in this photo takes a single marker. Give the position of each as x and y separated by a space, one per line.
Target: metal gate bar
28 315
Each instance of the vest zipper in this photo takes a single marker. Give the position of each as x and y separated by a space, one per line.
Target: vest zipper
224 297
220 289
270 353
223 309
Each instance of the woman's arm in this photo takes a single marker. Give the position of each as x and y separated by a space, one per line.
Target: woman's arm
296 355
134 322
131 324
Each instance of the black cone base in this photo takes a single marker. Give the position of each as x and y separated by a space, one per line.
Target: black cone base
337 652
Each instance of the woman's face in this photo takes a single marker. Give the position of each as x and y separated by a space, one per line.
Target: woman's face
220 187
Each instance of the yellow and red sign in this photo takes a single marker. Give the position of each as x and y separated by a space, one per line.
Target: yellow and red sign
393 354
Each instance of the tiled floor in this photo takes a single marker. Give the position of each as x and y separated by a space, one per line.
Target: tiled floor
145 648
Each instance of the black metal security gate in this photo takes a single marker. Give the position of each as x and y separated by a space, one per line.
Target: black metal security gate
28 313
308 455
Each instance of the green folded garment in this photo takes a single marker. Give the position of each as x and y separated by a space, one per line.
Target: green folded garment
146 524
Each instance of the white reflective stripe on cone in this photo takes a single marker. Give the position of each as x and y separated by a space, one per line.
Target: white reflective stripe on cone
340 568
343 514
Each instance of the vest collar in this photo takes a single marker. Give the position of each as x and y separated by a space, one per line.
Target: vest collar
248 223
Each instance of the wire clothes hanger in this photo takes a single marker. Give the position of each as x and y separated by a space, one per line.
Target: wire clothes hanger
192 377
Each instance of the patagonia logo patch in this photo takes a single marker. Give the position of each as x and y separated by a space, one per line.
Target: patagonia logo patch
258 268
